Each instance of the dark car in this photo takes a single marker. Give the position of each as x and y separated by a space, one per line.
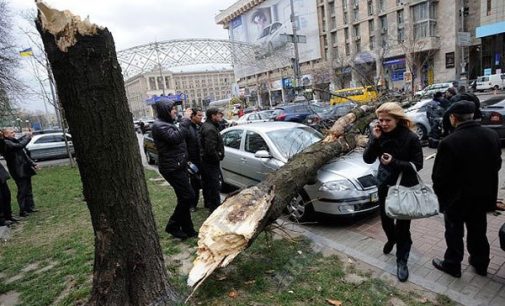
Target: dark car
293 113
493 113
150 148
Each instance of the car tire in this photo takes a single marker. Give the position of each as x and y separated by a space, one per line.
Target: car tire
421 131
150 159
300 208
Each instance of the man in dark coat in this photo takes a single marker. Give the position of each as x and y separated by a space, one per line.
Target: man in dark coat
6 217
462 95
465 179
212 152
172 163
21 168
191 126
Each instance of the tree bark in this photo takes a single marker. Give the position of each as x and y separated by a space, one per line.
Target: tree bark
128 267
241 218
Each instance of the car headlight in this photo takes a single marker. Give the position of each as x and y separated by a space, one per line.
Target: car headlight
340 185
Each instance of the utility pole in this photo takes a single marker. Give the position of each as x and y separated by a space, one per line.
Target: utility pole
159 66
463 77
296 61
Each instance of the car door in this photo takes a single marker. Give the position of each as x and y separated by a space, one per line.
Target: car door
231 164
43 147
254 169
59 146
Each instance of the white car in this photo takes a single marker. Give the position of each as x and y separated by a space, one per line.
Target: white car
344 186
263 116
490 82
47 146
433 88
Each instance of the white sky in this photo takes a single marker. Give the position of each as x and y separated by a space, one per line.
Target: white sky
132 22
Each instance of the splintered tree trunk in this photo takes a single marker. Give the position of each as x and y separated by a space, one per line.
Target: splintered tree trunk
128 266
241 218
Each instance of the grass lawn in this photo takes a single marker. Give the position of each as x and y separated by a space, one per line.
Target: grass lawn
49 259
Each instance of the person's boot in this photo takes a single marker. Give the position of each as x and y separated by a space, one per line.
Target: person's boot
191 233
443 266
388 247
173 229
402 271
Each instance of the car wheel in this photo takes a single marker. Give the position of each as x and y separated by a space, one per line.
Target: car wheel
300 209
150 159
496 87
421 131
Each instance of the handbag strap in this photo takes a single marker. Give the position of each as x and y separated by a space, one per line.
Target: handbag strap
420 180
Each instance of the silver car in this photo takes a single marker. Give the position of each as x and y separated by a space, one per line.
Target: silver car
254 117
417 113
47 146
344 186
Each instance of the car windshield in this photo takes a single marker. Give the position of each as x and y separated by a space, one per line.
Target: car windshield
293 140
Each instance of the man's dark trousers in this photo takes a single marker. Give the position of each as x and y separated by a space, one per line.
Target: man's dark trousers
5 201
210 182
181 217
476 240
25 195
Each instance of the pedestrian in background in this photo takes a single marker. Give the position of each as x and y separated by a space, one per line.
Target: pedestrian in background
212 152
191 129
397 147
172 163
6 217
465 179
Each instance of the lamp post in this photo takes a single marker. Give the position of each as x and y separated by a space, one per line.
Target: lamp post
19 124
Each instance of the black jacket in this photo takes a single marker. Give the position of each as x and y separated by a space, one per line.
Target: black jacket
4 175
169 140
212 147
192 138
405 147
18 162
465 173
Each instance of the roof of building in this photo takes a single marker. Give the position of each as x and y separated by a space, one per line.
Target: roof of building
236 9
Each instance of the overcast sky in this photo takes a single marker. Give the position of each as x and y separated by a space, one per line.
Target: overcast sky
135 22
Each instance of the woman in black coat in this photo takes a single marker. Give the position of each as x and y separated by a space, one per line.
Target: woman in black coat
5 193
397 148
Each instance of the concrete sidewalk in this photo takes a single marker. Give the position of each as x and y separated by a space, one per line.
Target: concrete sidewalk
364 241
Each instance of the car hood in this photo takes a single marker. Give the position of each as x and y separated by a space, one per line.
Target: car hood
349 166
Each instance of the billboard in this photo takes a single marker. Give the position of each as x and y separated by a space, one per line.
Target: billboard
266 29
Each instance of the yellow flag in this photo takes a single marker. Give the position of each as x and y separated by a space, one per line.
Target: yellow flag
26 52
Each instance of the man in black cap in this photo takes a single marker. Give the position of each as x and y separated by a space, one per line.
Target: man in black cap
172 163
465 179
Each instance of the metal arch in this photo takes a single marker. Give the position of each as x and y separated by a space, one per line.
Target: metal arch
184 52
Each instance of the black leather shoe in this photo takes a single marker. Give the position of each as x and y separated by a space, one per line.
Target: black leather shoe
442 266
32 210
402 271
192 233
482 271
23 214
13 220
178 234
388 247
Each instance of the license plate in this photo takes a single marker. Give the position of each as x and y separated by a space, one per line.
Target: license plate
374 197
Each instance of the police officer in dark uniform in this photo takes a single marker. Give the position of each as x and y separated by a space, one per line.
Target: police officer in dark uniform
465 179
172 163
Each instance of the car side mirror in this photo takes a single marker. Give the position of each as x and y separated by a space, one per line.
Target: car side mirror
262 154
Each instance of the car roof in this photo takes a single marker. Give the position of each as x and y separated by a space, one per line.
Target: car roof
48 134
265 127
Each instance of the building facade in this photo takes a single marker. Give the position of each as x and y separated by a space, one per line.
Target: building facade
395 43
200 87
492 33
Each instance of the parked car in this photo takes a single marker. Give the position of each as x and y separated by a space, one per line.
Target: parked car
48 146
262 116
150 148
491 82
493 113
433 88
293 112
345 186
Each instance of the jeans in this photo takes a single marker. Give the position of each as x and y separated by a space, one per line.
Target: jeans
181 217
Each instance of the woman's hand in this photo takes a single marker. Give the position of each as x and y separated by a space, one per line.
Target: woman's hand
377 131
386 158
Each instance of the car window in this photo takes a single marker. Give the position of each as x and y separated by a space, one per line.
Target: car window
291 141
58 138
275 26
253 117
232 139
48 139
254 142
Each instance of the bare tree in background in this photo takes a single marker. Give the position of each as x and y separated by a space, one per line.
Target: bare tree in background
9 85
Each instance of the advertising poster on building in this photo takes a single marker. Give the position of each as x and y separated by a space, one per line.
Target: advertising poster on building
266 29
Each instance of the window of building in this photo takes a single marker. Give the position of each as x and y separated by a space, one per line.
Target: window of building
372 42
347 49
345 18
152 83
488 7
355 14
401 35
381 6
370 7
355 2
424 19
358 46
355 30
399 15
384 40
399 2
371 26
384 23
346 33
344 4
160 82
167 82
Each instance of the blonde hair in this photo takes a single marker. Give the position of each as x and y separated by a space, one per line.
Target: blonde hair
394 110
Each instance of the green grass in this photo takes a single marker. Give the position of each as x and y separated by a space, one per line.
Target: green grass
271 272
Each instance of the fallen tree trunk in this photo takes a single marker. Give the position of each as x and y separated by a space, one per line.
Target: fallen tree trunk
241 218
128 267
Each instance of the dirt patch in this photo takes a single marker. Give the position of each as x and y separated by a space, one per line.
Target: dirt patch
10 298
182 260
70 281
30 267
15 278
396 302
48 267
354 279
